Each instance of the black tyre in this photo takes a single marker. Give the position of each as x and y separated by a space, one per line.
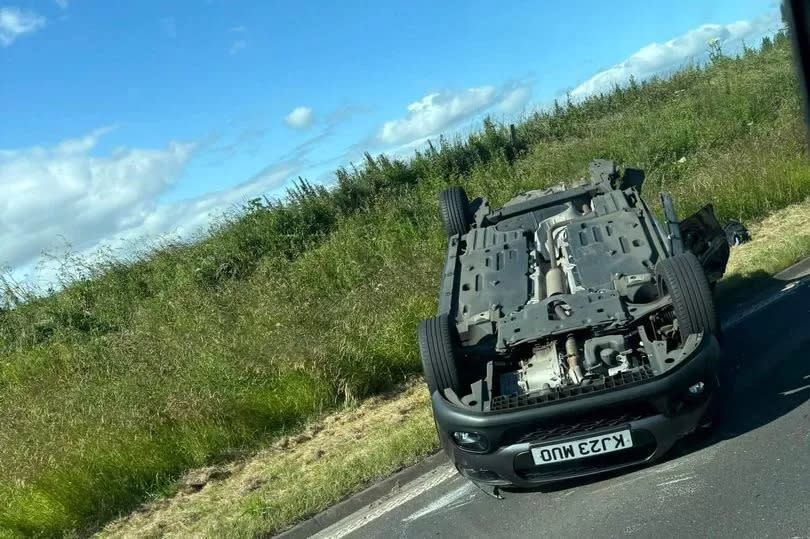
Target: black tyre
438 358
455 210
683 278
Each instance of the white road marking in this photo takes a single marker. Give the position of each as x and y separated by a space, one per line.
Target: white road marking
736 319
788 286
665 483
792 391
670 491
442 502
432 479
371 513
619 485
638 475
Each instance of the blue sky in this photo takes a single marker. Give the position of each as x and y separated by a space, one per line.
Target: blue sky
127 120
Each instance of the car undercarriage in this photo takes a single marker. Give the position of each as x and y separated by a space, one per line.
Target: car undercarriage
562 295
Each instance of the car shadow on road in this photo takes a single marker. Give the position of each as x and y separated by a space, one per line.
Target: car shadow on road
766 355
766 358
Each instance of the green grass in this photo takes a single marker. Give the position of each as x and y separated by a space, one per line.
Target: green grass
268 492
780 240
198 353
276 487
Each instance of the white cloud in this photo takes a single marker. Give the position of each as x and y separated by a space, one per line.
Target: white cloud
436 112
657 58
189 216
62 190
62 3
271 176
237 46
63 193
300 118
440 111
15 23
406 150
238 29
514 99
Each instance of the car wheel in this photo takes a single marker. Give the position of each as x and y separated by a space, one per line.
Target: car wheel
682 277
438 355
455 210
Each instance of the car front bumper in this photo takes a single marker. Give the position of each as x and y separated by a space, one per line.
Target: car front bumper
658 413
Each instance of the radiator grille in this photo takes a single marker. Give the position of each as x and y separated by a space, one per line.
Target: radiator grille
510 402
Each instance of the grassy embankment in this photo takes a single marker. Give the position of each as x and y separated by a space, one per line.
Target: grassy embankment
198 354
301 475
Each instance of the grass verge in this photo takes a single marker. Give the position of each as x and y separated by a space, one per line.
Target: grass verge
778 241
298 476
192 355
333 458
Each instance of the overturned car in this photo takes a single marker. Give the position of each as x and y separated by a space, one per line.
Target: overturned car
575 334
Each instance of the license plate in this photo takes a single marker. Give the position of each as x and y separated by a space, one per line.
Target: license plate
585 447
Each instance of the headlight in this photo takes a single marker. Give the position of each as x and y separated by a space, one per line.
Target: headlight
471 441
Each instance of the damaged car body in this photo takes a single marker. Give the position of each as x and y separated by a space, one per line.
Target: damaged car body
575 332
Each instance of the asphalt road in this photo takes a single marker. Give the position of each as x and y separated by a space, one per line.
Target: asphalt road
750 478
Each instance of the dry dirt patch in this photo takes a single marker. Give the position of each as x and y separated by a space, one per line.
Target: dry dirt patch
297 476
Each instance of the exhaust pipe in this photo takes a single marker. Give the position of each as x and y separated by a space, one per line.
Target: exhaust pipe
572 357
555 282
555 277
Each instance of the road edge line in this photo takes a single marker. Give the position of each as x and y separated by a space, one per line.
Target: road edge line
386 486
355 502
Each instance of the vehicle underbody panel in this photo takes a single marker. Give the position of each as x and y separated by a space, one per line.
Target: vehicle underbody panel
565 327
